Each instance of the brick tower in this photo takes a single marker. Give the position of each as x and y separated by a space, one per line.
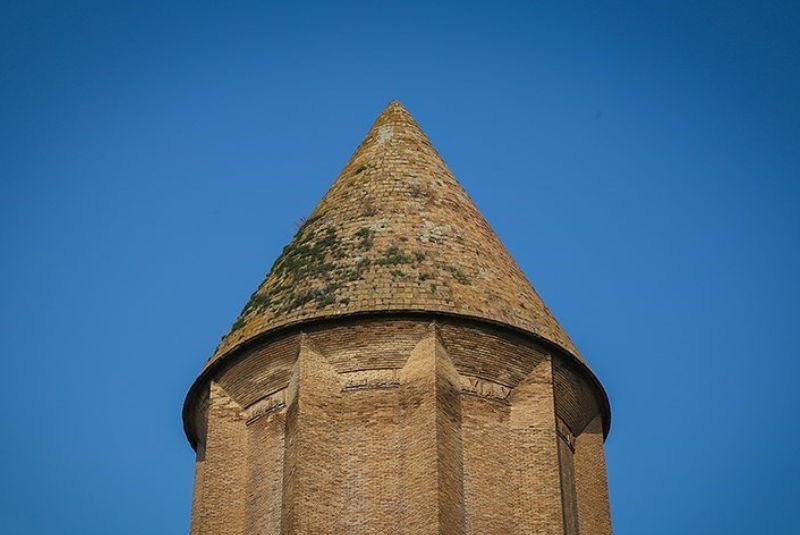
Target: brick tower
396 373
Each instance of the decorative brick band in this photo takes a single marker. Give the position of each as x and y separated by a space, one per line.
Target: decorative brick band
475 386
265 405
365 379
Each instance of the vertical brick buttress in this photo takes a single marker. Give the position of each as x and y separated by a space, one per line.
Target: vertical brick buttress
432 468
538 507
222 473
265 459
311 476
594 513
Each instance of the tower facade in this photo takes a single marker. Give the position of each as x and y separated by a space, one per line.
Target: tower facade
397 373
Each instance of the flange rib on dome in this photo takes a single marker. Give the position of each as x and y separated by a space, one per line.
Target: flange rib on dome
395 232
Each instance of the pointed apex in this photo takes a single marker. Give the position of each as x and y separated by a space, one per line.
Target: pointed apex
395 114
395 104
393 121
395 232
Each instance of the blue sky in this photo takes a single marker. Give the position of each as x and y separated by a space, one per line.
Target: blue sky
639 159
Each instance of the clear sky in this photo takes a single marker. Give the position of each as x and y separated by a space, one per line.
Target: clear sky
639 159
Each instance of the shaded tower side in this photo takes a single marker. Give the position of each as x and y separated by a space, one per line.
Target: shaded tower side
415 424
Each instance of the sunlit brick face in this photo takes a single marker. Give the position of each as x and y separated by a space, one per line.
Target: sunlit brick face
396 425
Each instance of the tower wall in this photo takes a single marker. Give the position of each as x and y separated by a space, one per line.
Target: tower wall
487 477
594 513
221 468
312 474
398 424
535 461
266 451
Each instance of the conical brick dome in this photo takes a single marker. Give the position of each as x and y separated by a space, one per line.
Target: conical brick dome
395 232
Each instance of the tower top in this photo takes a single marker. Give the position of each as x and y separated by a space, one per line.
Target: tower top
396 232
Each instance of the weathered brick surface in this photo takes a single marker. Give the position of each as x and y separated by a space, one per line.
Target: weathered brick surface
372 482
399 425
351 345
396 373
576 400
396 231
312 501
265 369
487 435
432 492
569 500
265 459
222 507
594 513
198 506
537 496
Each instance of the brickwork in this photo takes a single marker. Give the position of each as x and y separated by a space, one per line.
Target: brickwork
432 493
576 400
311 473
384 426
537 497
371 466
396 231
569 500
396 373
486 435
594 513
198 506
224 473
265 458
